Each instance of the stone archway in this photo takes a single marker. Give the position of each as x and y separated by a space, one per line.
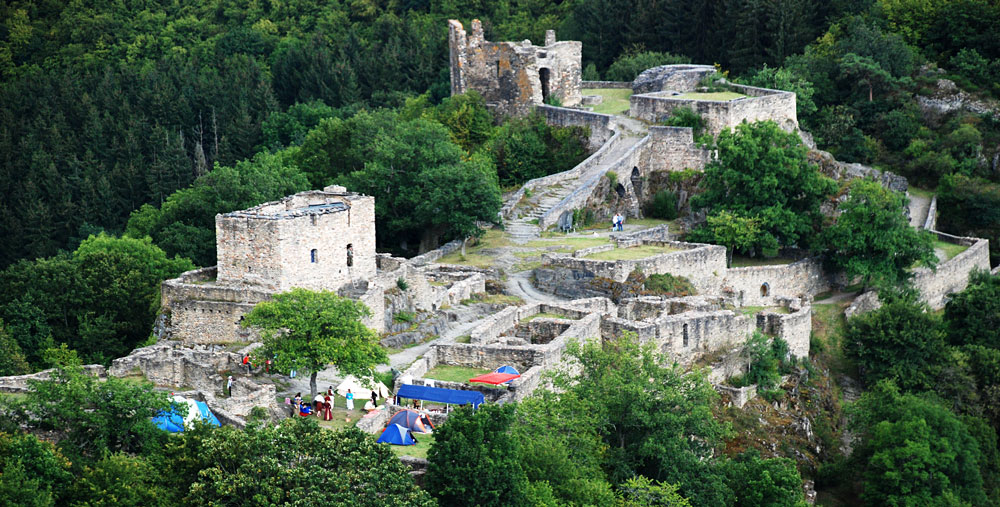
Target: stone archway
636 179
544 75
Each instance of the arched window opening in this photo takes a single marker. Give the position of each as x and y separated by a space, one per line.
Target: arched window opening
685 335
350 255
313 256
543 76
765 289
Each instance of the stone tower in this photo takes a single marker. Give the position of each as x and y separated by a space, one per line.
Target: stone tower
514 77
318 240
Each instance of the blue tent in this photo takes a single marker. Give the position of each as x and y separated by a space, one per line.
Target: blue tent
396 435
206 414
169 421
507 369
441 395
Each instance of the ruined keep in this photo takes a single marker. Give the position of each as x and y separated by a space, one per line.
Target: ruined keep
317 240
514 77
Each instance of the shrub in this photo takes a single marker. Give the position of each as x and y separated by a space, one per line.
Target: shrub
404 317
590 73
612 179
401 284
686 117
667 284
663 205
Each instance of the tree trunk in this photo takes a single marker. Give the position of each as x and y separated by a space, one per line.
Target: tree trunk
464 242
312 385
729 258
871 94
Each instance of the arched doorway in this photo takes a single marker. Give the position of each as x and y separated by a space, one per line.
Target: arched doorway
765 290
543 75
620 189
636 182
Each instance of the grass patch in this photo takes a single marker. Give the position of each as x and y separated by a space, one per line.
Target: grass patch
560 239
546 315
526 266
424 443
740 261
753 310
615 99
950 249
919 192
636 252
469 259
826 340
396 350
720 96
450 373
465 338
494 299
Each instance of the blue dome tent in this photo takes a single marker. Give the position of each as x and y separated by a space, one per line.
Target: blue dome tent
396 435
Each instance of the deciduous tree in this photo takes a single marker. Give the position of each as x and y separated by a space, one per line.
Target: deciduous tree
308 331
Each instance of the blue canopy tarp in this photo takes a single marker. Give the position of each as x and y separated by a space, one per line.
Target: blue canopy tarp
441 395
507 369
396 435
174 422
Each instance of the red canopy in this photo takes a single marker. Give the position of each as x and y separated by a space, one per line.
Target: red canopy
494 378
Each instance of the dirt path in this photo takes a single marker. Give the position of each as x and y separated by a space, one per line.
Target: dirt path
918 210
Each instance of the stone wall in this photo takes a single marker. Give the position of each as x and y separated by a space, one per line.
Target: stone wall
672 149
589 190
794 327
805 277
951 276
513 77
20 383
591 162
196 321
688 336
759 105
606 84
602 126
736 396
704 265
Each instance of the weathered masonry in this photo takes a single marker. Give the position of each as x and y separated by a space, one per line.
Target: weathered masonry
514 77
319 240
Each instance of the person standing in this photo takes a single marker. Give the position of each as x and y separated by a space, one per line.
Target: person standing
327 410
229 387
350 400
297 402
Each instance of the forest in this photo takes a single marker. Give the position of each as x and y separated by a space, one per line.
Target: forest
125 127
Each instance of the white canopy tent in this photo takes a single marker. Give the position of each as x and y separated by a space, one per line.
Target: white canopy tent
362 389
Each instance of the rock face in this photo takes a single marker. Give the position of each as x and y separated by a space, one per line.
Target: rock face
948 98
680 78
842 171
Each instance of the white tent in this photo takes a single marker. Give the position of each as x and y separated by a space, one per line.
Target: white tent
362 390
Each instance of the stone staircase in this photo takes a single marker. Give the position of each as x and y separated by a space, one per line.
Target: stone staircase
522 225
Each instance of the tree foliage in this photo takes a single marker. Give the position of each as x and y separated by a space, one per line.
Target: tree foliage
900 341
475 459
914 450
872 238
308 331
762 173
972 316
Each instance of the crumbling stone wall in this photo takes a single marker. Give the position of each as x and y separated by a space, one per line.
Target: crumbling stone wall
513 77
952 276
672 149
601 126
747 285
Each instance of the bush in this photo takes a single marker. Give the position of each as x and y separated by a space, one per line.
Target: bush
667 284
404 317
663 205
686 117
590 73
401 284
630 64
612 179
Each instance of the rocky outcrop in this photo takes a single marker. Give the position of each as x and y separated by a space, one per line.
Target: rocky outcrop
947 98
679 78
843 171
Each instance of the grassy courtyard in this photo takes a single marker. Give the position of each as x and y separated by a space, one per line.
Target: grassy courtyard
615 99
450 373
948 250
633 253
424 443
718 96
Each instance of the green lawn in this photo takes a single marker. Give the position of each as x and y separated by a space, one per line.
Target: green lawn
927 194
469 259
636 252
752 310
615 99
721 96
450 373
740 261
424 443
559 239
950 249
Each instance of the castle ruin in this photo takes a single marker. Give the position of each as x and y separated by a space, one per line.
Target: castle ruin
514 77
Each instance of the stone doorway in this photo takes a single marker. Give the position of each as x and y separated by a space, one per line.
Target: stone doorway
544 75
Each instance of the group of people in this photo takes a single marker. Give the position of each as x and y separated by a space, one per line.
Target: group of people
618 222
323 404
